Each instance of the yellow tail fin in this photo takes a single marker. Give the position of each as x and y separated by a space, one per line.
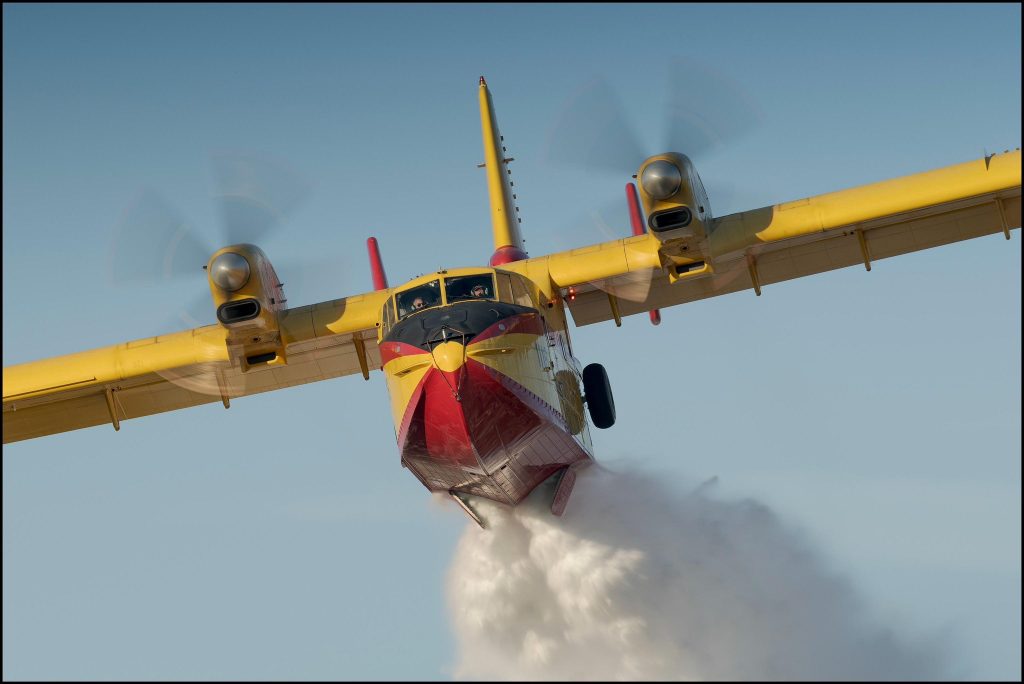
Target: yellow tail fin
508 244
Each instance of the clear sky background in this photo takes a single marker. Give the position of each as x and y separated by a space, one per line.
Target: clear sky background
878 412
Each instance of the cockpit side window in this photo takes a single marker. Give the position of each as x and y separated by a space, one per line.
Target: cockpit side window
418 298
462 288
512 288
387 316
520 292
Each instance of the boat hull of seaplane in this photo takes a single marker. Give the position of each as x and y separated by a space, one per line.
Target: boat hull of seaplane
477 406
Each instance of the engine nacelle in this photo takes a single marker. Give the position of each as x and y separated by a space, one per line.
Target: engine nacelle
674 198
678 212
248 296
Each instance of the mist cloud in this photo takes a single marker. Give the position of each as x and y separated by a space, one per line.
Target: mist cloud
639 582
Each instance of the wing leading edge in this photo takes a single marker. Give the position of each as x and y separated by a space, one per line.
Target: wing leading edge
183 369
606 281
772 244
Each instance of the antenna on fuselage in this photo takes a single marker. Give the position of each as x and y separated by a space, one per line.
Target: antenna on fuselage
508 243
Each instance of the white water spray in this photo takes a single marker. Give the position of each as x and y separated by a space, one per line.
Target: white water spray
635 582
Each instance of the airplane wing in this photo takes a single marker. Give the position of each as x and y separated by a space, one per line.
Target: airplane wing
752 249
188 368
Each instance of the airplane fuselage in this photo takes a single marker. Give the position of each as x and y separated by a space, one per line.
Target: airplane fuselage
485 392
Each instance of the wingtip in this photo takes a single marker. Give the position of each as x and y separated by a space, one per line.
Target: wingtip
482 81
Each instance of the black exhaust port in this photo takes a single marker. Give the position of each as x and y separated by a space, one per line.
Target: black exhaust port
236 312
682 269
260 358
668 220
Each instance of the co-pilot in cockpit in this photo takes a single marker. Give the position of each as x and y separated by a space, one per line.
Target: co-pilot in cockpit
469 287
457 289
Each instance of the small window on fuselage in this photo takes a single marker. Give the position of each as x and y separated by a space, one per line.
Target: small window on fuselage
418 298
462 288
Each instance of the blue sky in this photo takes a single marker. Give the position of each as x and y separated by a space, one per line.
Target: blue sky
878 412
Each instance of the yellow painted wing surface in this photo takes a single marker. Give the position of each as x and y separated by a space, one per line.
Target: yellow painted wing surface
622 277
183 369
772 244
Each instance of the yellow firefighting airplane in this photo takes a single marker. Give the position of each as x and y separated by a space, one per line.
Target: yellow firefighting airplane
486 394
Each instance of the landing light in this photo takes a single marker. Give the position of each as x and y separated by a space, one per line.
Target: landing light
661 179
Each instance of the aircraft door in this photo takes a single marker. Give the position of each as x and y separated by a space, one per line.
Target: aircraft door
543 348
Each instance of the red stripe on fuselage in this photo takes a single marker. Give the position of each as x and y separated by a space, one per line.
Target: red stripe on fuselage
446 434
463 416
389 351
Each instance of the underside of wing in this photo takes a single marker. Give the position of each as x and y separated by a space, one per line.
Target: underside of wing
191 368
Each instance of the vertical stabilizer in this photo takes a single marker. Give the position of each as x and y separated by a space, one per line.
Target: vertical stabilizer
508 245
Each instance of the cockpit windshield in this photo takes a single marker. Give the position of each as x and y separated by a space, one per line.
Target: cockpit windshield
470 287
418 298
426 314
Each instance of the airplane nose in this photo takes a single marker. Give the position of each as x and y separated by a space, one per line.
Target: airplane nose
449 356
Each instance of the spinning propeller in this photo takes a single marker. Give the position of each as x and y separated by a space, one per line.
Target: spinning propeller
153 243
255 195
706 110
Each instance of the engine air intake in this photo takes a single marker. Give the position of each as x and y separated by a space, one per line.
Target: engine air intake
668 220
236 312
